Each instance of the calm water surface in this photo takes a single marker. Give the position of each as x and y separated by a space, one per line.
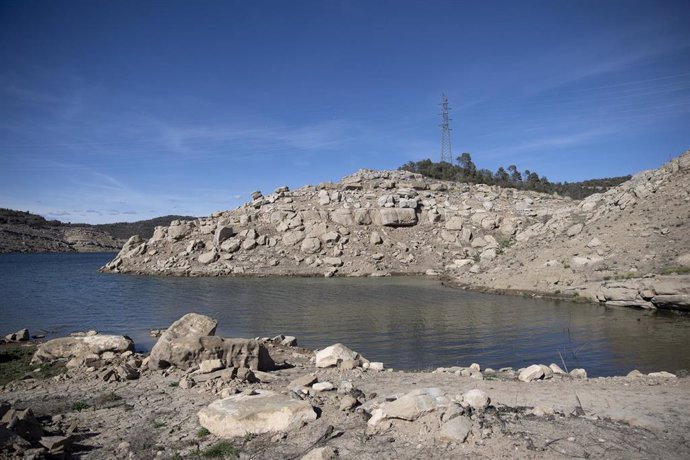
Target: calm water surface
410 323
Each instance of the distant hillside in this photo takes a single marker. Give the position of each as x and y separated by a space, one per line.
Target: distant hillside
22 231
143 228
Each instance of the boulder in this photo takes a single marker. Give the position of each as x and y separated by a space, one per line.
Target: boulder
455 430
191 325
311 245
410 406
292 238
578 373
343 217
207 257
375 238
331 356
556 369
477 399
362 217
231 245
188 351
223 232
395 217
68 347
21 335
533 372
262 412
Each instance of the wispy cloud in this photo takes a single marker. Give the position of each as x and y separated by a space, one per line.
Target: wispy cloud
551 142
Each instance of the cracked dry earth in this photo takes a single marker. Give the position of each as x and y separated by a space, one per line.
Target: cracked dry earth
153 417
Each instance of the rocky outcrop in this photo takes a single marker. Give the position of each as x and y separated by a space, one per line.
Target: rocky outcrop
376 223
190 342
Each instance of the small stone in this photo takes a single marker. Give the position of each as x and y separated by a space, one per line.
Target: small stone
662 375
541 411
323 386
304 381
578 373
347 403
375 366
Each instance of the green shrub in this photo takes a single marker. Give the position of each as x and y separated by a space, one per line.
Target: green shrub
222 449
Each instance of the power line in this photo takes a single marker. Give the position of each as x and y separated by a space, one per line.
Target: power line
446 150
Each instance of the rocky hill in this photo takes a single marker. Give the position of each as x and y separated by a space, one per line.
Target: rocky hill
25 232
627 246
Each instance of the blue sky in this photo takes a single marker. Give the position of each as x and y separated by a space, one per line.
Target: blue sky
126 110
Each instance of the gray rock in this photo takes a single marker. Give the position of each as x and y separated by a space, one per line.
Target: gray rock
191 325
188 351
330 356
68 347
455 430
304 381
223 232
343 217
410 406
209 365
208 257
21 335
477 399
533 372
375 238
395 217
311 245
578 373
263 412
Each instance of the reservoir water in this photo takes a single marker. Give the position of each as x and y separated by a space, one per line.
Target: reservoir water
408 323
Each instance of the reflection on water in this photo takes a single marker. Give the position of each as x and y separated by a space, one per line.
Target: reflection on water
410 323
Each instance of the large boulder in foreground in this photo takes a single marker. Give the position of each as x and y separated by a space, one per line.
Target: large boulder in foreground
185 352
68 347
191 325
262 412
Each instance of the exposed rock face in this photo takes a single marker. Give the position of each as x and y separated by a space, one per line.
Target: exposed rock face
262 412
385 222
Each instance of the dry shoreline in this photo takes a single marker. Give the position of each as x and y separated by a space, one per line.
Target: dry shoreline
155 415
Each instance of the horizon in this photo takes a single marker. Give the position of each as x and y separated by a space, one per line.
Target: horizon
130 111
